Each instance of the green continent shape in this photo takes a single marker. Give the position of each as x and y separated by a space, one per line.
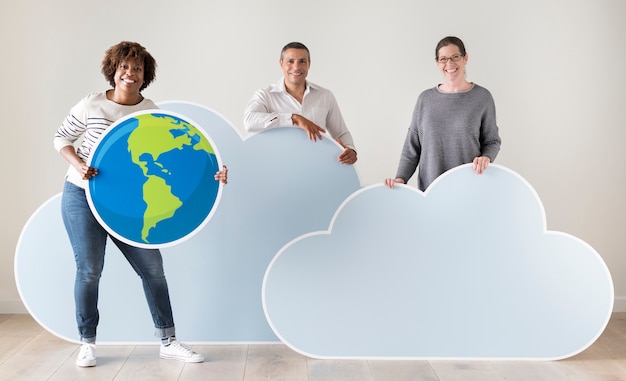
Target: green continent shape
161 204
154 135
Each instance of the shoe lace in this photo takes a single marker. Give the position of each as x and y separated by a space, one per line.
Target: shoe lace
87 351
182 347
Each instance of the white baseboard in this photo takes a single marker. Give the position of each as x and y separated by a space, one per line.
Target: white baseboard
17 307
619 304
12 307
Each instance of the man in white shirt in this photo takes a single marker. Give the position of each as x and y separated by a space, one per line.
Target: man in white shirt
294 101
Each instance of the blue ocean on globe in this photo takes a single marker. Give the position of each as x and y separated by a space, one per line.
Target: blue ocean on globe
155 185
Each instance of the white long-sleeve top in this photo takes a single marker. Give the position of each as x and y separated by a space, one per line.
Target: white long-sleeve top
273 106
88 119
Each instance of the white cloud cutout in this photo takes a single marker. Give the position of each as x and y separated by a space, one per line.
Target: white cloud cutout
465 270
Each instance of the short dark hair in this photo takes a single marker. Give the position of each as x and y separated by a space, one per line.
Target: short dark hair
295 45
450 40
124 51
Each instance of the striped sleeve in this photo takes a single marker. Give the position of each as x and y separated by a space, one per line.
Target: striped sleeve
72 127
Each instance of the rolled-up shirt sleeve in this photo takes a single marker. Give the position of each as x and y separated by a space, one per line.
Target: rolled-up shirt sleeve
336 125
258 117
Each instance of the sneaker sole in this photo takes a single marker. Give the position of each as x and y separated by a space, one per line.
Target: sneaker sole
86 364
190 359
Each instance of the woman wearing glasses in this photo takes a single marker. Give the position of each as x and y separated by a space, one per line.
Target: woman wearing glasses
453 123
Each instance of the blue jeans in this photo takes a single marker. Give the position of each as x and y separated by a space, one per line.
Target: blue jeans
88 239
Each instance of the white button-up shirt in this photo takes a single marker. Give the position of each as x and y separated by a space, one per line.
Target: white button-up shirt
273 106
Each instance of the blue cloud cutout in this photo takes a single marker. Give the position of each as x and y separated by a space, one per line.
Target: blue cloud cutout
465 270
281 186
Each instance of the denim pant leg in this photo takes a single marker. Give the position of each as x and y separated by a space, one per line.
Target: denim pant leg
148 264
88 240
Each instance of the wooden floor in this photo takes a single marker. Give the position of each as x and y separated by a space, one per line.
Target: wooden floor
28 352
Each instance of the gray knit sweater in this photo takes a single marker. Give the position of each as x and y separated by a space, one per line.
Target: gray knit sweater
447 130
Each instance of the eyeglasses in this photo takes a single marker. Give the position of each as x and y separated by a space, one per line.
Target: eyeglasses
454 58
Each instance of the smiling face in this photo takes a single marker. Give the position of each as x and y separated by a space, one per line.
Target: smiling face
129 76
295 64
453 71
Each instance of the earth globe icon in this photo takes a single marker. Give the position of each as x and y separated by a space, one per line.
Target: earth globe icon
155 185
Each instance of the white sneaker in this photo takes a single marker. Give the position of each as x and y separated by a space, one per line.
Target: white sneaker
179 351
87 355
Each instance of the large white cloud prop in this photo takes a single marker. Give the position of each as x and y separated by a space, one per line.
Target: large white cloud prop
465 270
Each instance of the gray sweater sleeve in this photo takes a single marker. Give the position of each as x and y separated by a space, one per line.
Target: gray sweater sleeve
489 134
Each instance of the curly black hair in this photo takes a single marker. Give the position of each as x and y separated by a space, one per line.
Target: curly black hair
125 51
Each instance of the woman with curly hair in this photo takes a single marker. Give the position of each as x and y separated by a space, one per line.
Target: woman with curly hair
129 68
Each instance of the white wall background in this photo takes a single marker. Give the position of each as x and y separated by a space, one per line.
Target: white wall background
554 67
